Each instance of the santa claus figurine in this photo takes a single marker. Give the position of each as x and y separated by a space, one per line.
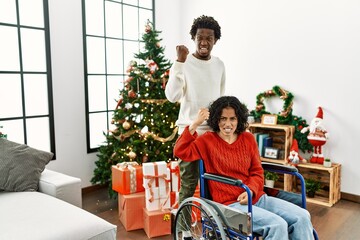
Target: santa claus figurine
317 137
294 156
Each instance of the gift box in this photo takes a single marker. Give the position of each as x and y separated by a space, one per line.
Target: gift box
157 223
155 174
174 199
131 210
157 198
157 185
175 176
127 178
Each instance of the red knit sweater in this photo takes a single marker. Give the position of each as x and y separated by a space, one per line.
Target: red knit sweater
239 160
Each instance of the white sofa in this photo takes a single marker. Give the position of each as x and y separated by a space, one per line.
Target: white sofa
53 212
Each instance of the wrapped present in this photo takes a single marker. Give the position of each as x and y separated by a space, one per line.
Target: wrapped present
131 210
174 199
157 198
157 223
127 178
155 174
175 176
157 186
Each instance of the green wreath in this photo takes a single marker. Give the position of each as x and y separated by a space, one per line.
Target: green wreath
285 116
287 97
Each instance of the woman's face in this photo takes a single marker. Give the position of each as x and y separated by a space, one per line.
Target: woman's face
228 122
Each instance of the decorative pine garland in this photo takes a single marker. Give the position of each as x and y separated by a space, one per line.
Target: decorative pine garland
285 116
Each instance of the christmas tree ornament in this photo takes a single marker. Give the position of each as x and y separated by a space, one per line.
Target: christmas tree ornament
132 155
317 137
145 158
131 94
126 125
119 103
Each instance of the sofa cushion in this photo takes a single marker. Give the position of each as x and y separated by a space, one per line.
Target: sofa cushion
35 216
21 166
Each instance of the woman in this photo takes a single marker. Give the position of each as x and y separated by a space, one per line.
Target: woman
231 151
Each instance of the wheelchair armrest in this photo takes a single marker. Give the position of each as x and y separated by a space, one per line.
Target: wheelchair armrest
277 167
223 179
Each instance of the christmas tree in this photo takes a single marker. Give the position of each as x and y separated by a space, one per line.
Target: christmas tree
144 120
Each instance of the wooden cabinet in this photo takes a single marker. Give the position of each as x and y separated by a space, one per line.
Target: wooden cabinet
330 178
282 137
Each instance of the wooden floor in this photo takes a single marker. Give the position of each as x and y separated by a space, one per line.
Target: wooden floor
342 221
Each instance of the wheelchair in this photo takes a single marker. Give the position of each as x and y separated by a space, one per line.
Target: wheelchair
206 219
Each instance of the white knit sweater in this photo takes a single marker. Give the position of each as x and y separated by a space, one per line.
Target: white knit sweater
195 84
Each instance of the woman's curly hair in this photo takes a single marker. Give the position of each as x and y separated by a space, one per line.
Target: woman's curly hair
205 22
218 105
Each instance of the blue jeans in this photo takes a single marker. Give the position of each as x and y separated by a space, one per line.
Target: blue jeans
272 217
294 198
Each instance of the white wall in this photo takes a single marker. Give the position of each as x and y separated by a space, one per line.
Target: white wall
308 47
69 93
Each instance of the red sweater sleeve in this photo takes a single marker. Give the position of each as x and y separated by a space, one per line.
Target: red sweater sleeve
185 147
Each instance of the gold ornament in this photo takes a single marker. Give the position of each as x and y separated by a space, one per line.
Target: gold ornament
126 125
132 155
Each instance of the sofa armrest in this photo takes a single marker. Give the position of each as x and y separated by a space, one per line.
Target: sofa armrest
61 186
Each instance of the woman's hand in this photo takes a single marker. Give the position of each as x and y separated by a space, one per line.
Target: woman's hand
203 115
243 198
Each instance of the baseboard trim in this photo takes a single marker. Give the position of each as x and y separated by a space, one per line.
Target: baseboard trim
92 188
350 197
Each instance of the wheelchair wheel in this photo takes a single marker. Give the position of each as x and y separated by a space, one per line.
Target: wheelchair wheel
200 219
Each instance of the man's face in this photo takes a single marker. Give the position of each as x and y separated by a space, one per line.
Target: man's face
204 41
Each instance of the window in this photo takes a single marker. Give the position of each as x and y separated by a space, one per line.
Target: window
26 105
112 35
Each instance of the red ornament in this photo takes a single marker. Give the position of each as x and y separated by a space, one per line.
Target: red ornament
118 103
131 94
145 158
147 28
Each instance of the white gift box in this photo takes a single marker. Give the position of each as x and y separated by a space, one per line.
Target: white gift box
157 198
175 176
156 181
155 174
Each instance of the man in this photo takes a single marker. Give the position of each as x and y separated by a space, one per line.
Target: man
195 81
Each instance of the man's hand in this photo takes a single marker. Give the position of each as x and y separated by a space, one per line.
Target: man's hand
182 52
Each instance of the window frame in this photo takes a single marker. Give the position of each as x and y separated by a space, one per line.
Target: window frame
48 72
122 75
